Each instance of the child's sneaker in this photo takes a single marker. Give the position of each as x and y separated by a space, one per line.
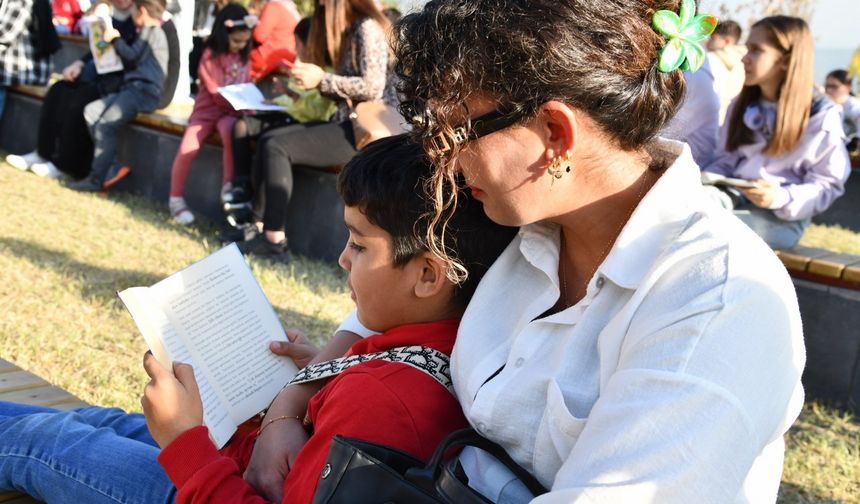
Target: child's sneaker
179 211
23 162
46 169
261 247
85 185
113 177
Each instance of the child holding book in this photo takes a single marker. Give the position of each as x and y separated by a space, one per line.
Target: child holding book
145 63
401 290
782 137
224 62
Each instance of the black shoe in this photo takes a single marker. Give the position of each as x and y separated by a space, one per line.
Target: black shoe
86 185
238 232
261 247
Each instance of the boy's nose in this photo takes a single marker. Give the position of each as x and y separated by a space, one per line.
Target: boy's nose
342 260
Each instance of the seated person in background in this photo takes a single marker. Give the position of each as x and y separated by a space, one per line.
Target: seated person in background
63 144
838 88
697 121
67 13
145 63
224 62
401 290
302 106
274 37
19 62
777 135
725 55
352 36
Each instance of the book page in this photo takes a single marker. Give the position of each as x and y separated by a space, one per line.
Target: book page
166 346
246 97
104 55
222 315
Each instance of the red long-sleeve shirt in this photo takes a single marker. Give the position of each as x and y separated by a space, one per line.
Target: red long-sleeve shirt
382 402
275 38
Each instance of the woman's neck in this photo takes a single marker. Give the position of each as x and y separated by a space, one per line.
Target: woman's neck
589 231
770 90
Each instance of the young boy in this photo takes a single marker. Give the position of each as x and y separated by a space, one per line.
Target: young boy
145 62
401 291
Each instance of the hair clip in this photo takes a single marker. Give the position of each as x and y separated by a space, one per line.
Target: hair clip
684 33
249 21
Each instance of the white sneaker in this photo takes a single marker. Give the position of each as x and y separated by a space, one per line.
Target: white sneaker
23 162
46 169
180 212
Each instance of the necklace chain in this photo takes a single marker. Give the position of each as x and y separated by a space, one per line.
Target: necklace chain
565 299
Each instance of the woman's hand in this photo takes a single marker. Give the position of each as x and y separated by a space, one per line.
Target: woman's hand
110 34
307 75
763 195
73 71
299 348
171 404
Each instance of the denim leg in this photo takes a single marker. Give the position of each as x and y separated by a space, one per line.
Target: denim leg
105 117
93 455
2 100
776 232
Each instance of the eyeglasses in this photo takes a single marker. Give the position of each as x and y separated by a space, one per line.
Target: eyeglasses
473 129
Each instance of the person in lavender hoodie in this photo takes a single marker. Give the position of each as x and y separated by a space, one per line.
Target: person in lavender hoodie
778 135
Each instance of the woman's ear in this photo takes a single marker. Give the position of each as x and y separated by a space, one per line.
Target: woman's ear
432 278
558 126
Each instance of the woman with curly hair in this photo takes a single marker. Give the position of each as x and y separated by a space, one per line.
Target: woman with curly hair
634 343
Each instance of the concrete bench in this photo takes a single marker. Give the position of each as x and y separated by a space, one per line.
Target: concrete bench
149 144
828 291
17 385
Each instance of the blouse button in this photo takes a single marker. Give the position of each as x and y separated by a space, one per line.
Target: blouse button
599 282
519 362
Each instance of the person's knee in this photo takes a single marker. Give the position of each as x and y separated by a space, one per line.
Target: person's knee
240 129
93 112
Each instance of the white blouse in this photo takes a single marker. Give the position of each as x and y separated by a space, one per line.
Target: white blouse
673 380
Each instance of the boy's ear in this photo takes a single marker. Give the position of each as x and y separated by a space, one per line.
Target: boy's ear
432 278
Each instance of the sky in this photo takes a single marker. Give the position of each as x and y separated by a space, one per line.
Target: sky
836 23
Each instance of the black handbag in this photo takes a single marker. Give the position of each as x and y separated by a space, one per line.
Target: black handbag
360 472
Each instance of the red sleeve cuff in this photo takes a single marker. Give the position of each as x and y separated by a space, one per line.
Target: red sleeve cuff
187 454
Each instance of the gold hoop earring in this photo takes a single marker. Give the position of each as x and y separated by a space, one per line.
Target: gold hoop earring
558 167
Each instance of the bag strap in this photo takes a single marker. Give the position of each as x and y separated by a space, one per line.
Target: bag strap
426 359
470 437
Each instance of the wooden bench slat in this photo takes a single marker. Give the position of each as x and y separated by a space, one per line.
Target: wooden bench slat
8 367
20 380
798 258
16 498
831 265
41 396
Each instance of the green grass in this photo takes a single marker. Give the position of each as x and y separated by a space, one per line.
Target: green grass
63 255
835 238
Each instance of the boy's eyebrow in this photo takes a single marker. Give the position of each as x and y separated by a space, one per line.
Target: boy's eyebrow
353 229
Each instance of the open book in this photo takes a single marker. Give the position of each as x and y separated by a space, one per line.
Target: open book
247 97
214 316
105 56
710 178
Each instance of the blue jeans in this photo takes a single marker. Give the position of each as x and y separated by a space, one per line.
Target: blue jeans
2 100
93 455
776 232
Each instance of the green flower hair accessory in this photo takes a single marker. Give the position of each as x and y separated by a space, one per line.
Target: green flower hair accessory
684 35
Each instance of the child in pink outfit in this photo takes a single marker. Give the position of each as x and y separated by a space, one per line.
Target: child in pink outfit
224 62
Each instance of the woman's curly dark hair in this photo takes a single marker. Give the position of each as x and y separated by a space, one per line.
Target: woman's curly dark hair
598 56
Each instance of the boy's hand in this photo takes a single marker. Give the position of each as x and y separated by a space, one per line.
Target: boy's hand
274 454
110 34
307 75
299 348
171 404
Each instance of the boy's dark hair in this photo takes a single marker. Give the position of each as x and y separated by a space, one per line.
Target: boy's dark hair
387 181
729 28
392 14
155 8
219 39
303 29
